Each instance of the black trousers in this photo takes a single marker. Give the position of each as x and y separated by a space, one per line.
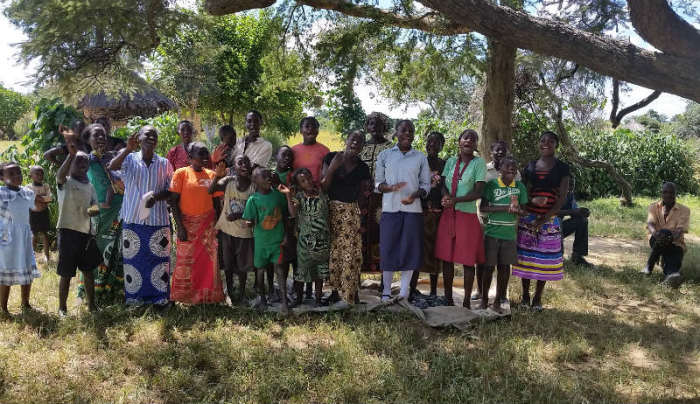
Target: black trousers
578 226
672 257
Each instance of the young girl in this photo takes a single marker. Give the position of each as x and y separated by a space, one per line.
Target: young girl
177 156
237 236
196 277
39 219
310 206
460 238
17 264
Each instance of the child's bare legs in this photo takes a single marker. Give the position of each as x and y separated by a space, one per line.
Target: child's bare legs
270 272
89 282
4 298
486 277
502 279
468 283
298 292
260 285
26 290
309 287
63 287
479 282
448 275
433 284
526 292
282 270
45 243
242 280
537 299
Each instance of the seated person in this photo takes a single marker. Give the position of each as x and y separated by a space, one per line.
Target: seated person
666 223
576 224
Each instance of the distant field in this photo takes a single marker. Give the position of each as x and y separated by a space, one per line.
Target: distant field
5 144
332 140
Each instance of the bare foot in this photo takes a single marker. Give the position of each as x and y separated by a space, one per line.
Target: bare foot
496 306
284 310
484 305
466 304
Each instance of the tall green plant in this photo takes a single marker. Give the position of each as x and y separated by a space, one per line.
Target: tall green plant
165 123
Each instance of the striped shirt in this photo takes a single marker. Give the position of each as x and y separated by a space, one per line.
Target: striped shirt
140 178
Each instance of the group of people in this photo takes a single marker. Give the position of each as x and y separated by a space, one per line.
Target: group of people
377 205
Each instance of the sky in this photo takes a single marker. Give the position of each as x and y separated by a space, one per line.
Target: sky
18 77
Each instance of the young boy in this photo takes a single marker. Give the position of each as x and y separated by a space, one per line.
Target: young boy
286 159
502 199
77 202
267 210
310 153
236 238
224 151
39 220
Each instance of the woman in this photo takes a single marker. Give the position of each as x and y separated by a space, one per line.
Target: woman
377 125
539 233
342 177
177 155
109 275
460 237
196 278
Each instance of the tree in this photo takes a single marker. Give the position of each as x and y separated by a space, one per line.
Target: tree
687 124
12 106
227 65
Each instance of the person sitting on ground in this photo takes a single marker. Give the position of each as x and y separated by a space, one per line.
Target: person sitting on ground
576 224
666 223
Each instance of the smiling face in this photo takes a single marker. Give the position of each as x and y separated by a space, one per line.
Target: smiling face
242 166
199 157
227 137
375 127
354 143
467 143
548 145
12 175
309 131
404 135
285 158
98 140
252 123
148 140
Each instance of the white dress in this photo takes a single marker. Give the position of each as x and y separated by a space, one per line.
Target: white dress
17 263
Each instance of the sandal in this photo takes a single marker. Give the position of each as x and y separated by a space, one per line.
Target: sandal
525 303
537 308
386 298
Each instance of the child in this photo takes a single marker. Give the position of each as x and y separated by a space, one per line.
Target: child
236 235
501 201
310 206
77 202
267 210
285 162
177 155
224 151
310 153
74 133
17 264
39 219
286 159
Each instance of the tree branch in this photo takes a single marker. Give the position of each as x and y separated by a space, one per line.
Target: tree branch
615 117
658 24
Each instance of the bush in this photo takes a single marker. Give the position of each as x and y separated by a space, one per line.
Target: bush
451 130
165 123
645 159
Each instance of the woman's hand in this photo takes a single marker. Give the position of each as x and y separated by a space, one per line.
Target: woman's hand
448 202
284 189
393 188
220 170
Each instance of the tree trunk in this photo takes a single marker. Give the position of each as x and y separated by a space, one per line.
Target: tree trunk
498 98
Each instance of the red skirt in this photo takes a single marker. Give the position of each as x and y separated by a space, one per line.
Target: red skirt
460 238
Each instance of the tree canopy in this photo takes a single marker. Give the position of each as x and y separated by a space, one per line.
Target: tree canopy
12 106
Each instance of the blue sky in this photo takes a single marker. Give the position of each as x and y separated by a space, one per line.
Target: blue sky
18 77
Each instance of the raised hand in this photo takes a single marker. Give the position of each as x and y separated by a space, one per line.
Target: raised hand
284 189
220 169
132 143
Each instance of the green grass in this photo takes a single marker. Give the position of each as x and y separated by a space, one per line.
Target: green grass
606 336
332 140
609 219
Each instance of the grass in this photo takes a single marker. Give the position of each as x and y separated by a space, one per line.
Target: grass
332 140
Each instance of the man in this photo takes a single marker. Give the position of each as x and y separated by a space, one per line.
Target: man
576 224
146 235
667 221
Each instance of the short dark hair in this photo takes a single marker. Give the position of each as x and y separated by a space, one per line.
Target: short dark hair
91 129
437 134
509 160
36 168
194 147
228 129
147 129
403 121
550 134
298 172
499 143
184 123
466 132
311 119
257 114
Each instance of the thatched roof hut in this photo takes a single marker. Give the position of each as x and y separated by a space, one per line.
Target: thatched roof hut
145 102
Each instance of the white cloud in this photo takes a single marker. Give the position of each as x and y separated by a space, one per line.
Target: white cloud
15 75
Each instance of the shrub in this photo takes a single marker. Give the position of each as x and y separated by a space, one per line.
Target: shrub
645 159
165 123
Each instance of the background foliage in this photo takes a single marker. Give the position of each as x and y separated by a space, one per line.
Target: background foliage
12 106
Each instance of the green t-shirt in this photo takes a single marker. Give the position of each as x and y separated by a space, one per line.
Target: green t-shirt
475 172
284 176
503 225
267 211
